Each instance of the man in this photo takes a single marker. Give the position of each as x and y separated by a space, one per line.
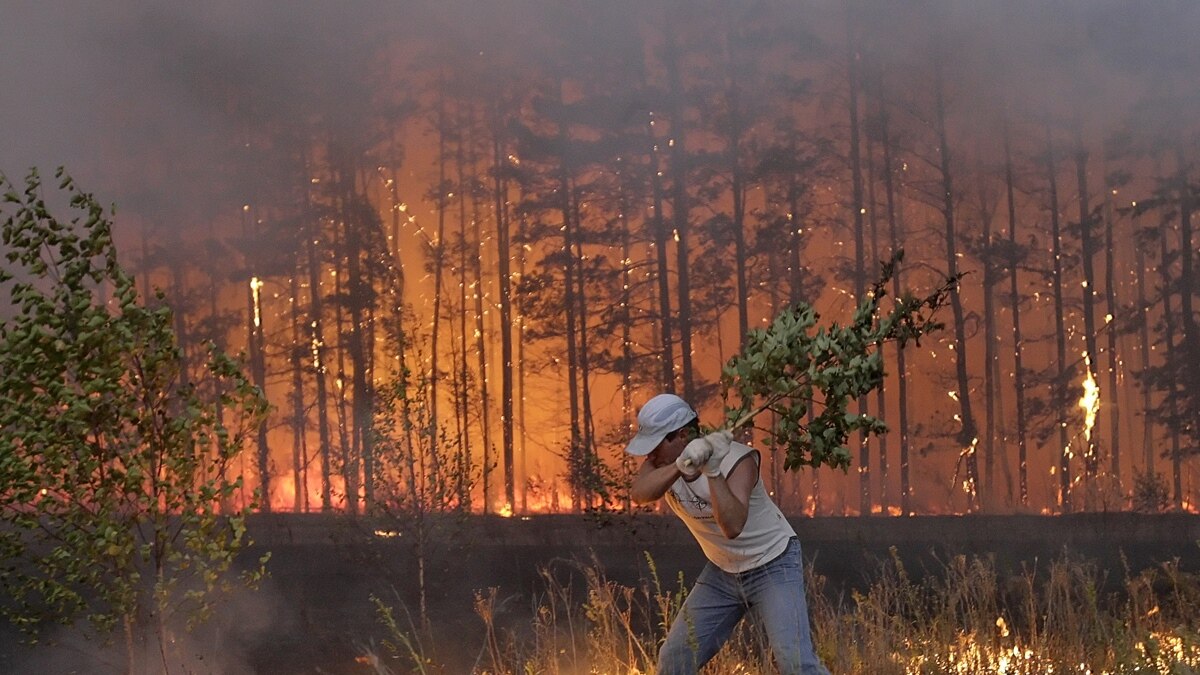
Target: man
754 564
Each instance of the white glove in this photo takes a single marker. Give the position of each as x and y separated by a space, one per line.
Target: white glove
720 442
691 461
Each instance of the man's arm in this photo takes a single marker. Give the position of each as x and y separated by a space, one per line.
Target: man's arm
731 496
652 482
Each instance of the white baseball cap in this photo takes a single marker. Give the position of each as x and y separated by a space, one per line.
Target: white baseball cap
660 416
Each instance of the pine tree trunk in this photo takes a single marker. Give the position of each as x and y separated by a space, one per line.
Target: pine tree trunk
1088 252
680 213
485 403
439 271
1143 308
258 372
587 450
299 419
1060 334
1014 299
968 435
897 243
346 453
317 343
463 388
571 305
1113 402
503 245
860 274
991 387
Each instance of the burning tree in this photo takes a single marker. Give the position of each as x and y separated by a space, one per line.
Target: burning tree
114 493
792 370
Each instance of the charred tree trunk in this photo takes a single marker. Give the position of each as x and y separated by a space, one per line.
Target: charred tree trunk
1143 308
880 393
316 337
991 388
589 462
662 266
896 239
1170 356
1110 300
347 454
1088 252
1060 333
860 273
256 339
968 434
503 245
571 305
1187 288
1014 298
299 417
476 260
438 251
463 386
680 212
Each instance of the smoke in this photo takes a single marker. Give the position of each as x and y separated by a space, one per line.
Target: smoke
242 629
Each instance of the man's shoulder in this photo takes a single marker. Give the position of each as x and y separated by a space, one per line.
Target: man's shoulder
739 451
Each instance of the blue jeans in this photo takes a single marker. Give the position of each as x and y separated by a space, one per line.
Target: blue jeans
774 593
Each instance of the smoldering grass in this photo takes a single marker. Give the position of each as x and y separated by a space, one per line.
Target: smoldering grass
968 615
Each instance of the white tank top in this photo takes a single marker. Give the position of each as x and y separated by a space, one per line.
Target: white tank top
765 534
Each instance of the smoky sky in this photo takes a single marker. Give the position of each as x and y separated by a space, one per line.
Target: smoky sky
148 102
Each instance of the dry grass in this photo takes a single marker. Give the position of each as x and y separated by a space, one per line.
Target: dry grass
965 617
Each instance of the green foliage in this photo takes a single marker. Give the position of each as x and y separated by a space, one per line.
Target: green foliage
115 501
808 374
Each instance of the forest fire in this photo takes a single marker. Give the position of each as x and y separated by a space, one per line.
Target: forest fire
388 264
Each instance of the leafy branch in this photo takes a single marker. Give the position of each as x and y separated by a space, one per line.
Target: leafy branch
795 367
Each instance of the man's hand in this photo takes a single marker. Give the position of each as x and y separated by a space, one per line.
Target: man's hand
692 460
720 442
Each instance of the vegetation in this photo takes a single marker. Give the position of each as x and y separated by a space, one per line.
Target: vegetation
117 503
969 616
795 367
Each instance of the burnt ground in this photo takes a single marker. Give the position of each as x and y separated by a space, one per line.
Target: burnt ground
314 613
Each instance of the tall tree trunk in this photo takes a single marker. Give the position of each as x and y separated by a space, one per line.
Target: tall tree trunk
1014 298
1060 333
737 189
896 238
860 273
1110 301
522 261
680 168
625 317
464 265
991 388
571 303
662 275
1088 252
258 370
403 373
299 418
1170 356
316 336
503 245
439 271
485 403
1143 308
880 393
358 336
968 435
587 449
1187 289
347 453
